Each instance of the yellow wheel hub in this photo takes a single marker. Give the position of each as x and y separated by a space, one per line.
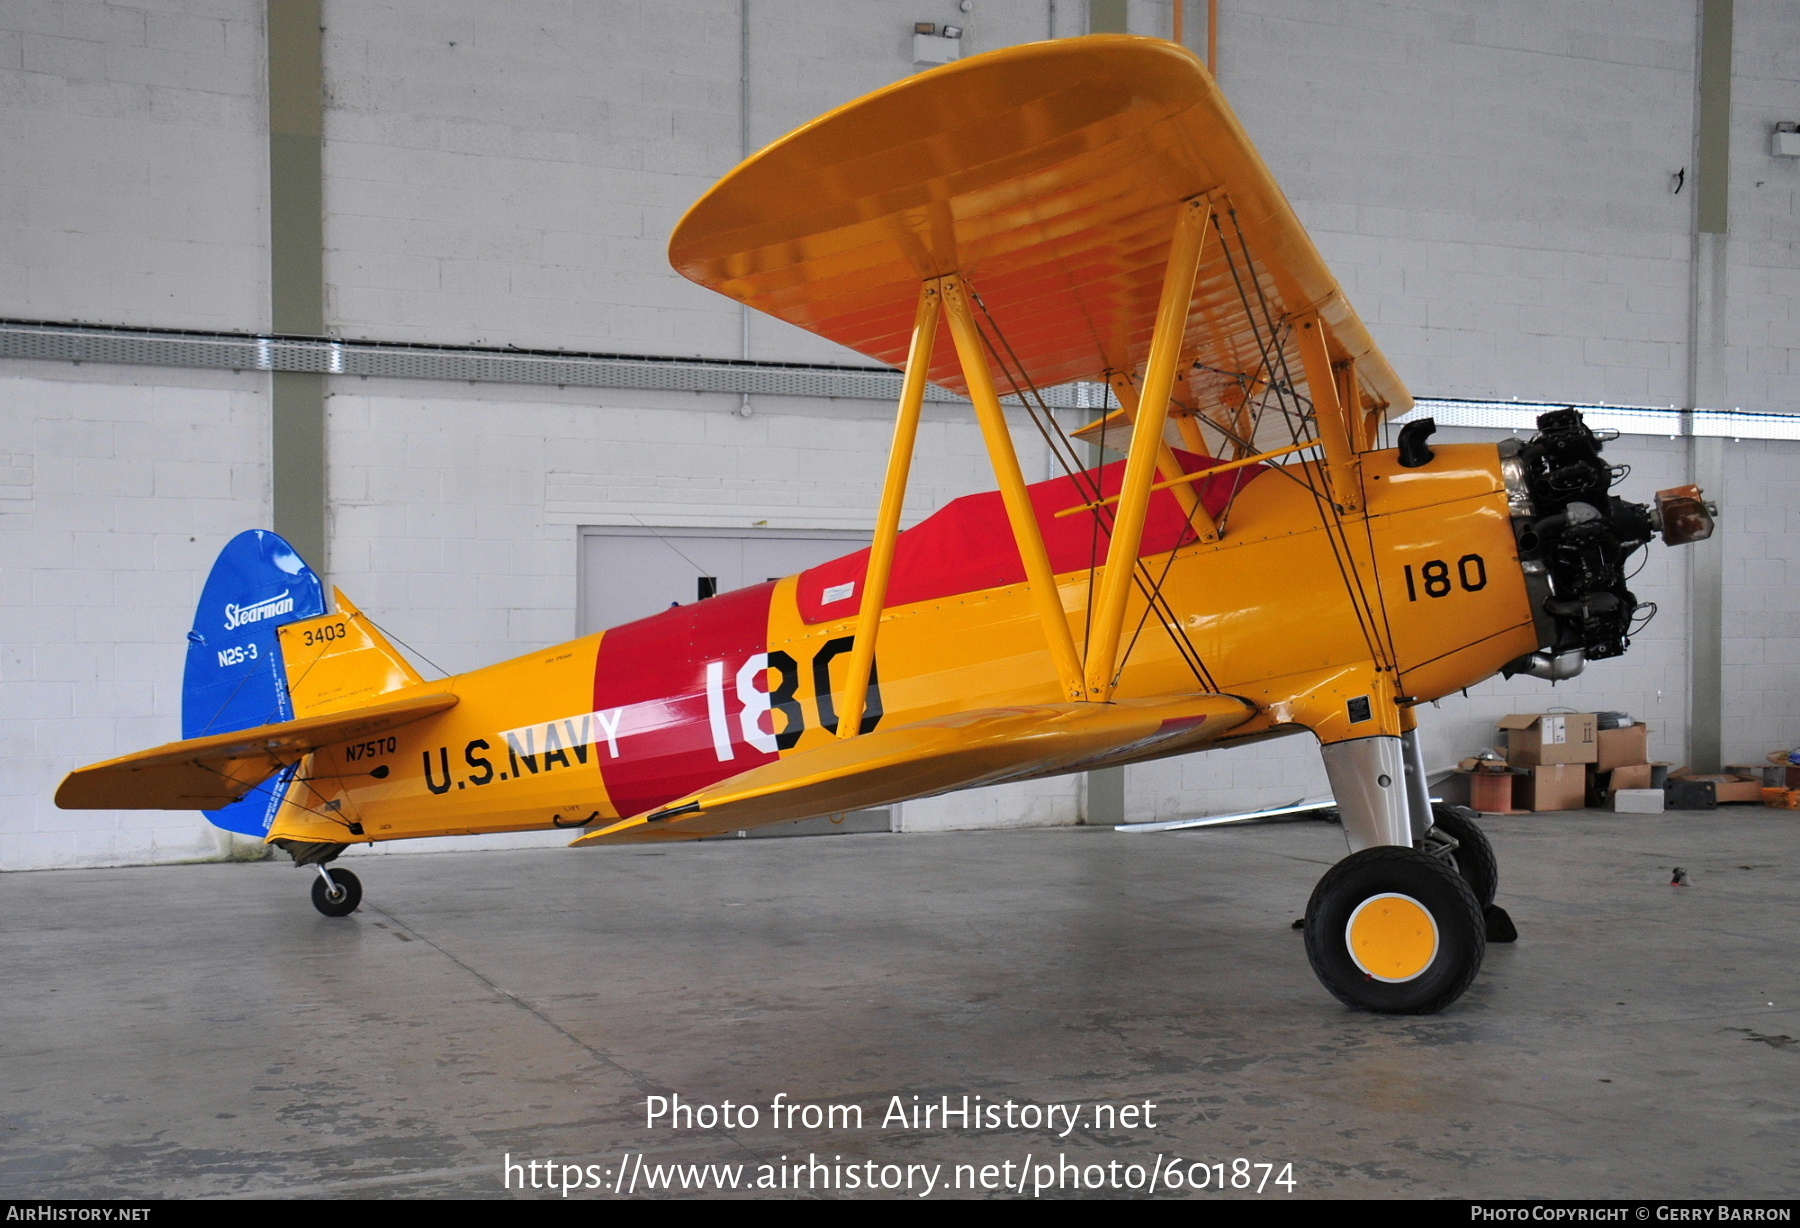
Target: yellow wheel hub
1392 937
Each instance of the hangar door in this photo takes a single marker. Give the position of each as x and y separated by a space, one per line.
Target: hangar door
627 574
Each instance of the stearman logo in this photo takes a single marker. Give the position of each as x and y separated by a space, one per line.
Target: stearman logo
237 615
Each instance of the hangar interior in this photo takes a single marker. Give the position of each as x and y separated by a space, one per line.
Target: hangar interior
391 277
1494 190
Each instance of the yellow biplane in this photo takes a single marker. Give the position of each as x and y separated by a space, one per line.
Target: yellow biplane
1264 560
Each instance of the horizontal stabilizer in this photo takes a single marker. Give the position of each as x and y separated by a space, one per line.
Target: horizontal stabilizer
933 756
214 771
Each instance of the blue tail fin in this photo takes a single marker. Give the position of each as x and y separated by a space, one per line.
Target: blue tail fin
235 678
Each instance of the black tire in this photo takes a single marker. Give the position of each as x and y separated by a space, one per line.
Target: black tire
1474 857
345 904
1365 877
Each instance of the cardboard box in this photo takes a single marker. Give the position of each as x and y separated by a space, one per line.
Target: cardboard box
1541 739
1738 790
1726 787
1768 773
1637 801
1638 776
1552 786
1616 748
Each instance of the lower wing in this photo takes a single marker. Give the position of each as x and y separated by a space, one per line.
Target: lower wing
934 756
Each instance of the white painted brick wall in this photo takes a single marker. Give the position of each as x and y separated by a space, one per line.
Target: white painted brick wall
1030 803
1491 183
512 175
1763 346
137 482
1762 600
135 147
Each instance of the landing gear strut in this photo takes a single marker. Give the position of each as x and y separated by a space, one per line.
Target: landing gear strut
1402 924
336 893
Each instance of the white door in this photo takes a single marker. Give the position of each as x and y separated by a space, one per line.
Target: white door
627 574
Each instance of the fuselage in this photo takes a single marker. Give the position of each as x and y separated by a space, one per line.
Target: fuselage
1294 610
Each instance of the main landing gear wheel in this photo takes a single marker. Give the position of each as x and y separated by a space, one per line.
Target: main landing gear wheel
336 893
1474 859
1394 930
1473 856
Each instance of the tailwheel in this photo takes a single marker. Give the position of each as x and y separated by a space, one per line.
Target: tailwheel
1394 930
336 893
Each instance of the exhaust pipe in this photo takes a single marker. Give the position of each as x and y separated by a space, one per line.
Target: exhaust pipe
1551 667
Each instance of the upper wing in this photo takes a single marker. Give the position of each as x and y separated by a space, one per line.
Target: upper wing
933 756
1049 175
214 771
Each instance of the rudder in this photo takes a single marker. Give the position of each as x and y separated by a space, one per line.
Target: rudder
235 676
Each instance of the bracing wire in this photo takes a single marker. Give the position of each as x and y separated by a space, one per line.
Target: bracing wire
333 815
1367 610
1065 454
1151 590
1140 574
262 787
1330 519
1094 523
1071 464
1143 621
207 728
390 635
698 570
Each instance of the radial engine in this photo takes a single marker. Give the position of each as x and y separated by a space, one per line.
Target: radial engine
1575 538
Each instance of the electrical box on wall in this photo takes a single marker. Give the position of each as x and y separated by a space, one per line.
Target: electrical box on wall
1784 142
932 47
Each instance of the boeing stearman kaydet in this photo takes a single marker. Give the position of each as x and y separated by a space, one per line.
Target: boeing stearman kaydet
1268 558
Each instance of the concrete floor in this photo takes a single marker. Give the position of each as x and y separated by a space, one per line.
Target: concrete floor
199 1030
